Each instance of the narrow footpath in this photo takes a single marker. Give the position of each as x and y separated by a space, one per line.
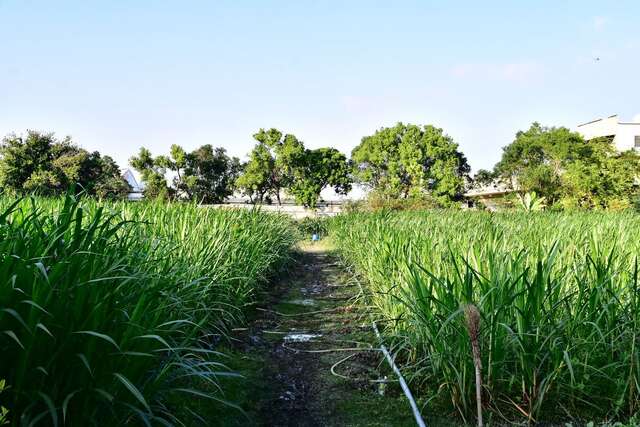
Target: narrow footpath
310 357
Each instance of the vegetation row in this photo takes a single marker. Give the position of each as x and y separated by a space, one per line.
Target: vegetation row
558 300
112 314
402 165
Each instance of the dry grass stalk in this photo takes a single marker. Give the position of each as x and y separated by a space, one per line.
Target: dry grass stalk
472 318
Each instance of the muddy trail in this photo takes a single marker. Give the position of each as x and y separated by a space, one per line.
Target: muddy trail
309 356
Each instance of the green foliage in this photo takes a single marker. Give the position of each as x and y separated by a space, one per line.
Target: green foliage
603 180
111 312
211 174
352 206
531 202
283 163
39 163
410 161
206 175
4 412
313 225
558 295
152 172
377 201
484 177
255 180
269 170
565 169
316 170
536 158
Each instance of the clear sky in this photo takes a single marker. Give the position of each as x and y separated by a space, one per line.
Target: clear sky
117 75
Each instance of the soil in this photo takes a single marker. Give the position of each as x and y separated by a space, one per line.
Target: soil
310 357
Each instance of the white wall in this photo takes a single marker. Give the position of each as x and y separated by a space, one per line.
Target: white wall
602 127
625 132
625 138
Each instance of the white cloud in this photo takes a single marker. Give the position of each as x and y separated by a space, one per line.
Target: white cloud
514 71
636 118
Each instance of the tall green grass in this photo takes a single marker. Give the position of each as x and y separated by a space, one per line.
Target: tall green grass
111 314
557 293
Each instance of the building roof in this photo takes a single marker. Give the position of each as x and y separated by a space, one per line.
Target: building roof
128 176
597 120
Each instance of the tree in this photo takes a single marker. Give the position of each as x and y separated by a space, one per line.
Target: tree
411 161
177 162
270 166
285 153
255 181
483 178
111 185
206 174
280 163
602 179
568 171
42 164
95 174
153 175
211 174
535 160
27 163
315 171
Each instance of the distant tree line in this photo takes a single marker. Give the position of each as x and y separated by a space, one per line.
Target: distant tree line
40 163
206 175
401 164
568 171
280 163
404 161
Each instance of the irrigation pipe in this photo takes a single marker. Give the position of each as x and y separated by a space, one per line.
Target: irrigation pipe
328 350
403 383
330 310
341 361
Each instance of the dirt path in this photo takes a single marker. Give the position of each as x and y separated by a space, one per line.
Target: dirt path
310 357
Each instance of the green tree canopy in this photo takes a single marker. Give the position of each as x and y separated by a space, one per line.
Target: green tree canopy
411 161
564 168
40 163
153 173
256 178
602 179
536 158
211 174
316 170
207 174
280 162
484 177
280 155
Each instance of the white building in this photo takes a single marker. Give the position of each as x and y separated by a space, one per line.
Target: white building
136 189
626 135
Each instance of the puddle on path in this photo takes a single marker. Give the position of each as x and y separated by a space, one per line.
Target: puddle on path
307 302
300 337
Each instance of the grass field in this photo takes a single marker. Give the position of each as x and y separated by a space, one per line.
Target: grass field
112 313
557 294
115 314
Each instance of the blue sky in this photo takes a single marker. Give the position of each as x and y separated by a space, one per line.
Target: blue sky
116 75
